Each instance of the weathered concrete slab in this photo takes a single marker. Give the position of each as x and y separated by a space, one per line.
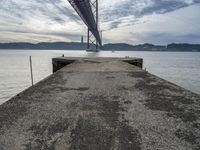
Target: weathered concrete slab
91 105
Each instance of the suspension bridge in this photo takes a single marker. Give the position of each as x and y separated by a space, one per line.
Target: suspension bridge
93 103
88 11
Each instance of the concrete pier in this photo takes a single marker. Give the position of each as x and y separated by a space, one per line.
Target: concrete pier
61 62
101 104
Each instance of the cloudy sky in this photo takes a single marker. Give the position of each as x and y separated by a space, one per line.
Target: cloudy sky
130 21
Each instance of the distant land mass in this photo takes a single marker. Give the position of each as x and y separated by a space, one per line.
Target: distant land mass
111 46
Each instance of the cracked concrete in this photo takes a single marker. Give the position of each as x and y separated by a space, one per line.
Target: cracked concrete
103 105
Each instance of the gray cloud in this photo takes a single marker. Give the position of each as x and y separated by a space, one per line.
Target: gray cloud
57 18
53 10
164 38
139 8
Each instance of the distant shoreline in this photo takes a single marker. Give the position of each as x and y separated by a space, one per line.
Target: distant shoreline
107 47
85 50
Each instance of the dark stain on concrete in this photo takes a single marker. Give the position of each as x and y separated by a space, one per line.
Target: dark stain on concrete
90 135
127 102
43 134
64 89
18 106
76 89
184 116
82 89
56 78
12 110
188 136
111 111
129 138
138 74
115 97
91 61
196 125
58 127
124 88
175 106
110 77
2 147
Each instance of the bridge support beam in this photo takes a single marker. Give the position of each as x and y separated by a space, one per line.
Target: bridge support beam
92 41
88 11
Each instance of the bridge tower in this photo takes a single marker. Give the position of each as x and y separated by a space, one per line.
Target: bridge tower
88 10
91 40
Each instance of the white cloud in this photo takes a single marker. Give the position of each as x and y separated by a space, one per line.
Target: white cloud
130 21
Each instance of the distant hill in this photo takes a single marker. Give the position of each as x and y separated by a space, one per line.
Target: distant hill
111 46
44 46
184 47
142 47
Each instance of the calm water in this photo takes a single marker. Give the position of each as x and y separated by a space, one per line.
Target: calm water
182 68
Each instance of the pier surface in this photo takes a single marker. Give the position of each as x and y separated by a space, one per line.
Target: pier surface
101 104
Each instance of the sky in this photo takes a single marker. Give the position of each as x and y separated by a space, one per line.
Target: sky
122 21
